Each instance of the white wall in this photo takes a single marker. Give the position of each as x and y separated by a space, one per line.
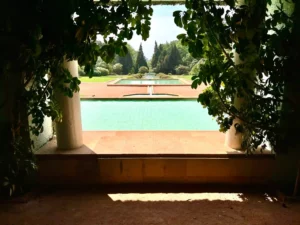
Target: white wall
43 137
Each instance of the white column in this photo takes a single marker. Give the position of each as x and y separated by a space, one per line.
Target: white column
69 131
233 138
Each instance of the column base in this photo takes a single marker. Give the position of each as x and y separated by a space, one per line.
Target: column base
233 138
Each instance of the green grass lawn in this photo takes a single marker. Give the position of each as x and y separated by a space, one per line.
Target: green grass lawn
100 79
186 77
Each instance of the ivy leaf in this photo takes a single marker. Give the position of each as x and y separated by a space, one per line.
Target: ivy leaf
191 30
181 36
194 84
177 18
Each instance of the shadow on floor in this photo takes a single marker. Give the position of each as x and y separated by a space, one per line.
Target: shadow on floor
160 204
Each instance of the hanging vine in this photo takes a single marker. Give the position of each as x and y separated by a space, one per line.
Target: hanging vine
36 37
249 54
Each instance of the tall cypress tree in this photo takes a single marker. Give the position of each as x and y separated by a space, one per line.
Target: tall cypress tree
140 60
155 56
168 60
127 63
174 59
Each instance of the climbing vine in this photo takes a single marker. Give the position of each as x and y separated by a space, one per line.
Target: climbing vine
250 57
37 36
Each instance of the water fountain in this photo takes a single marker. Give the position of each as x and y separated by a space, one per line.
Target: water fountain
150 90
149 76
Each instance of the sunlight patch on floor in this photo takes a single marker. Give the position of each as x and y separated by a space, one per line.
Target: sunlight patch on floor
173 197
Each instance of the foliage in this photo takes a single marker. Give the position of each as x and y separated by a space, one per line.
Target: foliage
98 79
182 70
248 83
132 52
196 68
163 76
37 37
140 60
155 56
126 62
143 69
173 60
15 167
118 68
100 71
136 76
100 63
81 71
168 58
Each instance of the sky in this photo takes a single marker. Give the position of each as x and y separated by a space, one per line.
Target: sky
163 29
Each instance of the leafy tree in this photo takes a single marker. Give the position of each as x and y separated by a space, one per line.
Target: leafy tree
182 70
102 64
127 63
173 60
253 88
100 71
168 60
162 65
196 68
35 42
118 68
155 56
143 69
186 57
132 52
140 60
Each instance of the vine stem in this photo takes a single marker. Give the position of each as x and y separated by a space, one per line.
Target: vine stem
238 116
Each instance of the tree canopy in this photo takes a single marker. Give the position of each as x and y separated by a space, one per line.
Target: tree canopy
126 62
37 37
254 82
140 59
155 56
168 57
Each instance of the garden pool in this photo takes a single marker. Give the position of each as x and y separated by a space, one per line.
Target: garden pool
150 114
149 82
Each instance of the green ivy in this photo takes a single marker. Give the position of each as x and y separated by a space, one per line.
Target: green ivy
36 38
262 42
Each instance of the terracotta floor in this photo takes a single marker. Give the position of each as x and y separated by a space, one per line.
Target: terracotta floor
102 90
93 207
207 143
156 142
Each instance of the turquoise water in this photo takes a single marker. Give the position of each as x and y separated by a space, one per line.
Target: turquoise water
145 115
150 82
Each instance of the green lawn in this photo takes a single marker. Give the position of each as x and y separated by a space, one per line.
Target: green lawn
186 77
100 79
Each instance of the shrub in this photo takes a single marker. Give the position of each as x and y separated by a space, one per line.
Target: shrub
118 68
182 70
81 71
99 71
143 69
136 76
196 68
163 76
